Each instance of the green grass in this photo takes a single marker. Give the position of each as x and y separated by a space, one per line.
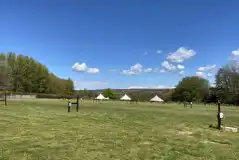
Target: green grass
42 129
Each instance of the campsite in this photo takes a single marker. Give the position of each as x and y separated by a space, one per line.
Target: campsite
119 80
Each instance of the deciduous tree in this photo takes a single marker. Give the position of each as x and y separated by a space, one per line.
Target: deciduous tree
191 89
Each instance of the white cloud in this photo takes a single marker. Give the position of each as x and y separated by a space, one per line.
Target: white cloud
180 67
200 74
167 66
79 67
127 72
158 51
170 67
137 87
205 71
207 68
235 52
134 70
83 68
151 87
147 70
181 73
181 55
164 87
235 55
204 74
93 70
137 68
162 71
209 75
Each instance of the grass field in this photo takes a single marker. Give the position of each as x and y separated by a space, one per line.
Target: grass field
42 129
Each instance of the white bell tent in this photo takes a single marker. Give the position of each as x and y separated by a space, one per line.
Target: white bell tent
156 99
100 97
125 98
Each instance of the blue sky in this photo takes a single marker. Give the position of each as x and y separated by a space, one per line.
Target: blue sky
117 41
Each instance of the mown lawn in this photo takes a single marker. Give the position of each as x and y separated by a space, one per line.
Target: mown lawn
42 129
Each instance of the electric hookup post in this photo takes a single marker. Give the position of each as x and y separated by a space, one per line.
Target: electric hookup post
77 105
219 115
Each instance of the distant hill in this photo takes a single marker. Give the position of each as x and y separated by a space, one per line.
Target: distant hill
134 90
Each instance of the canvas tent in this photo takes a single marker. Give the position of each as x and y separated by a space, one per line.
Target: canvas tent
107 98
125 98
100 97
156 99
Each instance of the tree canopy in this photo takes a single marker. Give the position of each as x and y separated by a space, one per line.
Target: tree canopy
109 93
24 74
191 89
227 83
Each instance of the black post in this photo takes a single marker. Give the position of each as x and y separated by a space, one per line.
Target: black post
219 120
77 103
5 98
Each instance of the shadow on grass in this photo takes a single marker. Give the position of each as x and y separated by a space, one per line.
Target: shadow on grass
213 126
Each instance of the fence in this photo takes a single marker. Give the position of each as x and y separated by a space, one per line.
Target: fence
11 96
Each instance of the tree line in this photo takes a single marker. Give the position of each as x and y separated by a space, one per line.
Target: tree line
134 94
23 74
189 89
192 89
226 89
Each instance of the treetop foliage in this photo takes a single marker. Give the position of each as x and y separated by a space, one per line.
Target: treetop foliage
24 74
191 89
227 83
